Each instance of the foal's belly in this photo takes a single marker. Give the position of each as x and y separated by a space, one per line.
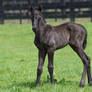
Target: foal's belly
61 45
61 41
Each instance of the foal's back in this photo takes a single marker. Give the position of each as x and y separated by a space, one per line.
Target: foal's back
69 33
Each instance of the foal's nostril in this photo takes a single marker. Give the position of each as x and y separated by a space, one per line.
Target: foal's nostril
34 29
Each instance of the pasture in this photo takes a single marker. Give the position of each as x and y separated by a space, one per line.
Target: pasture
18 63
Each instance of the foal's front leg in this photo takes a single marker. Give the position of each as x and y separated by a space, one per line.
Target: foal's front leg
41 55
50 64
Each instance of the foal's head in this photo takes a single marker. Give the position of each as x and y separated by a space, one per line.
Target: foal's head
36 16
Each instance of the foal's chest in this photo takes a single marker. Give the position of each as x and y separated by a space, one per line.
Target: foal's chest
39 44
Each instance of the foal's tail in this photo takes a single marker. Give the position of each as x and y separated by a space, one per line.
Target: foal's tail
85 41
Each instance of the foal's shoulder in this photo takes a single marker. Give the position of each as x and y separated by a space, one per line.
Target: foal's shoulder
48 27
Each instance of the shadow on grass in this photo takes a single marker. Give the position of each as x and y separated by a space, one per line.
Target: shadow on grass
24 84
28 84
68 82
16 85
31 85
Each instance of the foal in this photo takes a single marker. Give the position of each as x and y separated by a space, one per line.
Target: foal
50 38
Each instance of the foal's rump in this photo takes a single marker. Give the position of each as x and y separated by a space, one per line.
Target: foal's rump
78 35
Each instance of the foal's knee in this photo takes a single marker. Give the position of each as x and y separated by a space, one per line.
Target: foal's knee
88 58
50 69
39 70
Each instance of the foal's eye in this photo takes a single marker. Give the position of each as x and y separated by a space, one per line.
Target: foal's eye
36 17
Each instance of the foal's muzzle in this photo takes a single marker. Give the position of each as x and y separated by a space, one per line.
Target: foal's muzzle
34 29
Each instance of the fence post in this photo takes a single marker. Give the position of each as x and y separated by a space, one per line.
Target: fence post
56 13
20 10
63 9
36 3
91 11
1 12
72 16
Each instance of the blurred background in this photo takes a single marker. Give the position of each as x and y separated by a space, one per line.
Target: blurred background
16 11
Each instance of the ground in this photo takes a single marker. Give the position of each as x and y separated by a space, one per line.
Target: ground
18 63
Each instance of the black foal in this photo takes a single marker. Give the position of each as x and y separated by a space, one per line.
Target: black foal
50 38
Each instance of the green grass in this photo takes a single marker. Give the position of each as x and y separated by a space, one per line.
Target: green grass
18 63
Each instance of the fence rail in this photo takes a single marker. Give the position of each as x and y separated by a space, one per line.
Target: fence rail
18 9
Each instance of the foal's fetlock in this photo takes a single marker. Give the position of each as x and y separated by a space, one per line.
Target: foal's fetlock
37 82
82 83
39 71
90 82
52 81
50 69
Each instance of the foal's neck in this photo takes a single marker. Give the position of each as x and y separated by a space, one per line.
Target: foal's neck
42 24
41 27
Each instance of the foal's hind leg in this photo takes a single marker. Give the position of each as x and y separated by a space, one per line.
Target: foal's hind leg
89 71
86 61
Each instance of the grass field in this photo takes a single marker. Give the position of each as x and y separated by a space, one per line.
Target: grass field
18 63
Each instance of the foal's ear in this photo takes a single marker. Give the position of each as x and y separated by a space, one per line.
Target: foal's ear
40 7
30 8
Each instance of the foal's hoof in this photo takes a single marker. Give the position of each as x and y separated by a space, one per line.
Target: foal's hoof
81 85
90 82
37 85
52 82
